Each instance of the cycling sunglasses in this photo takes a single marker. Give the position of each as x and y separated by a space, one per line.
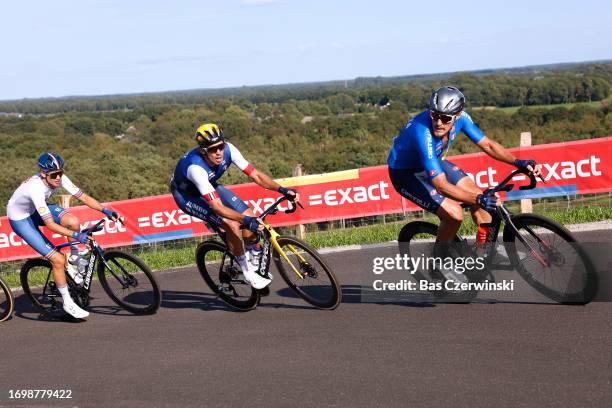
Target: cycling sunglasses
214 149
55 174
442 117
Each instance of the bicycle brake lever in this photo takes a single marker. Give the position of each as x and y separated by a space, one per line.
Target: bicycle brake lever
542 179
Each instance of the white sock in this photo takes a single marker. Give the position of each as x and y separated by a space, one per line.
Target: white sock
65 294
242 261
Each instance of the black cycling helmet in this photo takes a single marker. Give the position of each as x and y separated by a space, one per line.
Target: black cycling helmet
447 100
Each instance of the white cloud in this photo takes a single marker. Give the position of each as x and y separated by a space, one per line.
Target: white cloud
303 47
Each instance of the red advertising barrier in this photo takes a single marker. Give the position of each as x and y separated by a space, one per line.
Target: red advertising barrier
569 168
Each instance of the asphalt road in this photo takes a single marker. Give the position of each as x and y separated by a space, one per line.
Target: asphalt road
197 352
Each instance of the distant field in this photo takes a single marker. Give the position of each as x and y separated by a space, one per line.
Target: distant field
513 109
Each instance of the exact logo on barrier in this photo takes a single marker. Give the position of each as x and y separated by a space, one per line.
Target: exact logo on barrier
565 170
262 204
351 195
164 219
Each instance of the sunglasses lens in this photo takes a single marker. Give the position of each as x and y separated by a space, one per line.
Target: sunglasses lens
443 118
215 149
55 175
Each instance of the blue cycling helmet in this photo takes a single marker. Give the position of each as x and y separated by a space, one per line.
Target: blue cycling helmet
48 162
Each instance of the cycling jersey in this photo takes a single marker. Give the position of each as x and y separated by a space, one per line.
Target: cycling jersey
32 196
417 149
193 175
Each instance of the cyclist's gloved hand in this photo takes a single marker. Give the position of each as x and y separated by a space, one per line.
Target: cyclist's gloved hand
111 215
251 223
536 169
486 201
81 237
290 193
522 164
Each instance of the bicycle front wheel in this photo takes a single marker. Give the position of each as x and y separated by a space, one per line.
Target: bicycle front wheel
552 262
223 275
129 282
303 269
6 301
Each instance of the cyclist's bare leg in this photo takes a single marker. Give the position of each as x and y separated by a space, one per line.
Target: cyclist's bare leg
479 215
233 236
451 216
58 263
248 235
72 223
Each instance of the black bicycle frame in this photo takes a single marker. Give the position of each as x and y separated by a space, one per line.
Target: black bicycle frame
502 214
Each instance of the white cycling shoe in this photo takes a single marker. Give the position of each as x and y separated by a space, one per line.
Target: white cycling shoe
449 275
256 280
75 311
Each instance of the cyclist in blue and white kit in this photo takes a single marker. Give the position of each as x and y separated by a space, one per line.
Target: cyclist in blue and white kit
196 191
419 171
27 210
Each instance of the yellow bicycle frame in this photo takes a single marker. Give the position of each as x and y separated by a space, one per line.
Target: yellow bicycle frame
274 240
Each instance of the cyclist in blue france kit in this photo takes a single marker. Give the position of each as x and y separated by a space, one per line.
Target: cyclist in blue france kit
196 191
28 210
419 171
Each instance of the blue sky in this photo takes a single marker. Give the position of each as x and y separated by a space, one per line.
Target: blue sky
90 47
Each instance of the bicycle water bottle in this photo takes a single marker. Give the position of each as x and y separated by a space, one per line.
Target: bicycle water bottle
82 266
254 251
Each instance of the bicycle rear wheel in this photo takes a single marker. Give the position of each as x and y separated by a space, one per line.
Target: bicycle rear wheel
303 269
558 267
417 239
129 282
38 284
223 275
6 301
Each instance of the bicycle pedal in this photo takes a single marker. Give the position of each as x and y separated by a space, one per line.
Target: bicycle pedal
265 291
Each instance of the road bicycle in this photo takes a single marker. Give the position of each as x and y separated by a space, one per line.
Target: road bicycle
300 266
126 279
545 254
6 301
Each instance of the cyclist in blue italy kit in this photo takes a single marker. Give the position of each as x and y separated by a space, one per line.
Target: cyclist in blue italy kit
419 171
196 191
28 210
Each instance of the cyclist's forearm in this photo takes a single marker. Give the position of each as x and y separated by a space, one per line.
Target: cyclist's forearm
91 202
453 192
58 229
225 212
264 180
497 151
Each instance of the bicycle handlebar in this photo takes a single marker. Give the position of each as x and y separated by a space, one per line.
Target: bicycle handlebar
504 186
273 210
97 227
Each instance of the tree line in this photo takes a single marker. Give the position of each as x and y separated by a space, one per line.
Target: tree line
127 153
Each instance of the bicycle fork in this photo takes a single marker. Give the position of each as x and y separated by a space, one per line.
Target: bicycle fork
272 236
